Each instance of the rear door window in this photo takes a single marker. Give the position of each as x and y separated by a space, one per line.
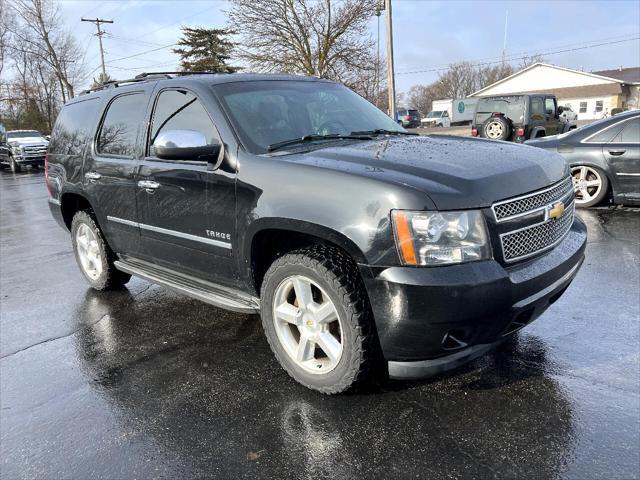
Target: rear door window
119 129
630 133
72 129
180 110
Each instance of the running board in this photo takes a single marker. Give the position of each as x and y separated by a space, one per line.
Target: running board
217 295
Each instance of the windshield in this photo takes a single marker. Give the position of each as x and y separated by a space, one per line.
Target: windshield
265 113
512 107
434 114
23 134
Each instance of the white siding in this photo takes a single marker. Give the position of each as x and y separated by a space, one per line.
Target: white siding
543 77
591 113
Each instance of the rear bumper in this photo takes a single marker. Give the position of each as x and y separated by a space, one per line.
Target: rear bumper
430 320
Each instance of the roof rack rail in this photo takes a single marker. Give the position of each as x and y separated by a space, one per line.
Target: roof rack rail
144 76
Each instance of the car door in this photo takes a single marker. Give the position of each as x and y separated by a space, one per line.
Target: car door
552 123
110 168
186 210
623 156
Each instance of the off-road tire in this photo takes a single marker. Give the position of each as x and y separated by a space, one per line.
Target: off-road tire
506 128
15 167
338 275
110 278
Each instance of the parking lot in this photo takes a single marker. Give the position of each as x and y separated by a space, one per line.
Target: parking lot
145 383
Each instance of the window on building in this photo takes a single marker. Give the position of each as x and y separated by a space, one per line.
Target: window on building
120 126
180 110
630 133
583 107
599 105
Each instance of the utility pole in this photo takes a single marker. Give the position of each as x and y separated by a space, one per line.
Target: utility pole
97 22
391 82
504 42
379 8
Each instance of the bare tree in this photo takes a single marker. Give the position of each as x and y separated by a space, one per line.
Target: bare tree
527 61
324 38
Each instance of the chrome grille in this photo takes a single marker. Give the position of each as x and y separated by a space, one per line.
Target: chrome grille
534 201
534 239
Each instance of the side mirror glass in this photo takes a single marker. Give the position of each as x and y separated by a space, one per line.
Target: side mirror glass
186 145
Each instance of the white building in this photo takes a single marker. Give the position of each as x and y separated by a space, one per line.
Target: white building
591 95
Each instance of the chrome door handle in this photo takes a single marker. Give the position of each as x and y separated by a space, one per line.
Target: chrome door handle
92 176
148 185
617 153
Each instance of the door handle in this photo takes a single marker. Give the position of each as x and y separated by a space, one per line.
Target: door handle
149 185
616 153
92 176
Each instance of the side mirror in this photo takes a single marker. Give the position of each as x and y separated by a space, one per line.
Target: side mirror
186 145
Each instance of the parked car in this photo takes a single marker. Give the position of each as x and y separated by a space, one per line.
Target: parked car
436 119
604 157
517 118
568 116
409 118
295 198
4 146
26 147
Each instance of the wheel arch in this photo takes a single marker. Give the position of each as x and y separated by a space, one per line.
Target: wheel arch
70 204
272 239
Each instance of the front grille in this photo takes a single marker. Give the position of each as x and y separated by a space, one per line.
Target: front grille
534 239
534 201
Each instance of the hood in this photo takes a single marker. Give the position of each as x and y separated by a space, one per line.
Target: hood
454 172
27 141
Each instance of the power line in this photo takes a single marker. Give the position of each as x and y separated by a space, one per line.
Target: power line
479 64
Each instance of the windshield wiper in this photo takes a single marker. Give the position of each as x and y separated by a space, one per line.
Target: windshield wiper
382 131
313 137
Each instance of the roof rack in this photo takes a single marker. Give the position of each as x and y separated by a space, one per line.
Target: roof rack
142 77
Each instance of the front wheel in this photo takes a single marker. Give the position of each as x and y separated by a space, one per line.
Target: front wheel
94 256
15 166
590 185
317 319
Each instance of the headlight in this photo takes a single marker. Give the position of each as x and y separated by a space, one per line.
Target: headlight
440 238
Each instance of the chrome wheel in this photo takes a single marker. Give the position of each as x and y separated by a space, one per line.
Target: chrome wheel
587 184
307 325
494 130
89 251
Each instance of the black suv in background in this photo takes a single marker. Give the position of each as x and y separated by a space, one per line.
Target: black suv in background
517 118
297 199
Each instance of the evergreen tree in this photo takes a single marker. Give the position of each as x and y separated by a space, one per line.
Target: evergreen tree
101 80
205 50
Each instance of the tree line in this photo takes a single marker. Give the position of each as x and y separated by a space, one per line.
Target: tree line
323 38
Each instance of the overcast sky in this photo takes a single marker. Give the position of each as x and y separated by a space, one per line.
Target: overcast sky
427 34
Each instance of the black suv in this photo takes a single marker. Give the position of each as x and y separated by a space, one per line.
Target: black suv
517 118
297 199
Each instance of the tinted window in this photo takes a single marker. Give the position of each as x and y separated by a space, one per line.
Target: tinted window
120 126
630 133
72 130
606 135
536 106
402 112
550 106
414 112
180 110
267 112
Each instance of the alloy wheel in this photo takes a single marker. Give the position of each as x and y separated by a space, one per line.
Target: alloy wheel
89 251
586 183
307 325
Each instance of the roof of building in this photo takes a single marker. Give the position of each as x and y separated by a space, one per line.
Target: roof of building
626 75
575 92
596 75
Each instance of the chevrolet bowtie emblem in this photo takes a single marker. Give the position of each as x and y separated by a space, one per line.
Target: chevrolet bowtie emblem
556 210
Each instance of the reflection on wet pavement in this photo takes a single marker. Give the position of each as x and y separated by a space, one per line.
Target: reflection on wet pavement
146 383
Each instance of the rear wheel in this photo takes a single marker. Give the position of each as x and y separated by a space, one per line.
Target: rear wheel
590 185
94 257
317 319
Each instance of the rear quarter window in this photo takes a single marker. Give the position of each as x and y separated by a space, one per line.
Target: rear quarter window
72 130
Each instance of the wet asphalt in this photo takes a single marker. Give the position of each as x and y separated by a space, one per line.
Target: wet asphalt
145 383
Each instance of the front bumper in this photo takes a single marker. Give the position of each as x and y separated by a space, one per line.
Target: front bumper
29 160
432 319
